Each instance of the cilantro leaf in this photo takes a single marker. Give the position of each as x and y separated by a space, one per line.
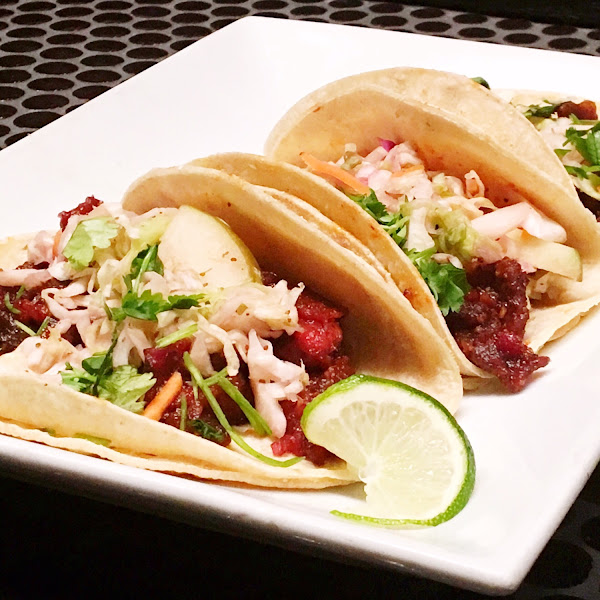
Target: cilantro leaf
587 142
146 306
125 387
395 224
207 431
147 260
89 235
86 379
184 302
79 379
561 152
447 283
370 204
542 111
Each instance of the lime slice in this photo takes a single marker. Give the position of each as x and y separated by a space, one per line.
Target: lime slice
415 460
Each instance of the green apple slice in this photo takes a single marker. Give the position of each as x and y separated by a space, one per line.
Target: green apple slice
198 242
542 254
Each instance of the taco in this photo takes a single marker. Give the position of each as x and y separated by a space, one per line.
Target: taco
147 333
570 126
476 214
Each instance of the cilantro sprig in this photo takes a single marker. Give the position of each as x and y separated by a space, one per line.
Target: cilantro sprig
89 235
146 261
447 283
586 142
394 224
541 111
199 382
147 305
123 385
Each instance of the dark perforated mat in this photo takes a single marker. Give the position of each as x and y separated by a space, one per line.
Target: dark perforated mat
56 54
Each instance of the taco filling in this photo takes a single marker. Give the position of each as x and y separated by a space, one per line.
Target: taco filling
572 130
483 264
117 305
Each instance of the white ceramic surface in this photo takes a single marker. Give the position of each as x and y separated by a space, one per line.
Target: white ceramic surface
534 450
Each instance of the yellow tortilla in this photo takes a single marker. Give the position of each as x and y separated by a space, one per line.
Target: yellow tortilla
456 125
383 337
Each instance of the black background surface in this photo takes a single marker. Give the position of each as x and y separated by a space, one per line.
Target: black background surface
583 13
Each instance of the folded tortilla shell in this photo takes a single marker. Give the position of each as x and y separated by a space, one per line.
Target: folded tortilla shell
456 125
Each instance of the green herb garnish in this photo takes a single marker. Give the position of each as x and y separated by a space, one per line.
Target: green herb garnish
447 283
87 236
586 142
183 412
9 305
254 417
180 334
542 111
147 260
207 431
394 224
201 383
147 305
122 386
30 332
43 326
125 387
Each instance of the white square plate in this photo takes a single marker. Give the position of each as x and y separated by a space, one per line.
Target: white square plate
534 450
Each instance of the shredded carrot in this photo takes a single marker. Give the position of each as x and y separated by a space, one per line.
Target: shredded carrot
324 168
407 170
56 243
165 396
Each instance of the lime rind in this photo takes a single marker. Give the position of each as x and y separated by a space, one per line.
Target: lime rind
467 467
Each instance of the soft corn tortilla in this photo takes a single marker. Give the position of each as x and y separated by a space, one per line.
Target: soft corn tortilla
380 340
456 125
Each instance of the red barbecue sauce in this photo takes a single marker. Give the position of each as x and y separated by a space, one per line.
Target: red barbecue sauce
30 309
317 345
585 111
294 440
85 208
490 325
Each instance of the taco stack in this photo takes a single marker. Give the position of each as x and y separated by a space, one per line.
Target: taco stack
471 212
185 330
